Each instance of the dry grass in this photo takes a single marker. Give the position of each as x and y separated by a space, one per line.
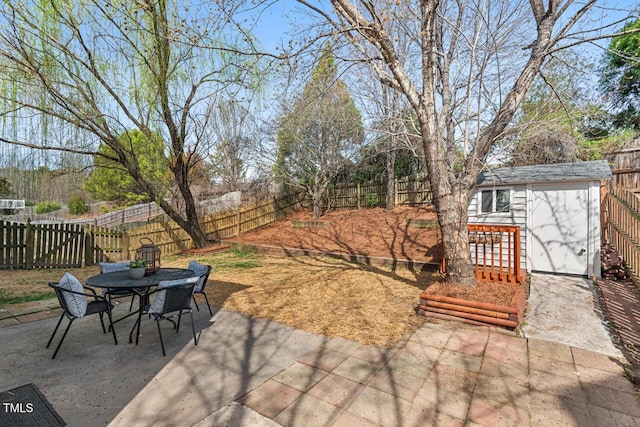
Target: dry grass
372 305
33 283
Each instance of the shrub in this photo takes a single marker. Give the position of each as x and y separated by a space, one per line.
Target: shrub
46 207
371 199
77 205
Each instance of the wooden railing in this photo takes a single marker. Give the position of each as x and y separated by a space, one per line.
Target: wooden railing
495 252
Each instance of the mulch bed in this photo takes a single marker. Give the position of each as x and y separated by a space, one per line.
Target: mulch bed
488 292
365 232
404 233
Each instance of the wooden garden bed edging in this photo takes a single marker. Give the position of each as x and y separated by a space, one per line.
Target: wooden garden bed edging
422 223
205 251
474 312
308 224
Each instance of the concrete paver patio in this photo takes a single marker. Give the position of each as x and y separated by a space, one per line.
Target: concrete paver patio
250 372
450 374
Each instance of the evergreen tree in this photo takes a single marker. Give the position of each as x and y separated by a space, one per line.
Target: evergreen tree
111 182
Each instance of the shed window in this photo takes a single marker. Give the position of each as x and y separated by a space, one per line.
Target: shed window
495 201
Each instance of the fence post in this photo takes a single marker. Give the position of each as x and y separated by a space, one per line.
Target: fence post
89 244
238 223
29 245
328 200
395 192
125 245
358 194
276 213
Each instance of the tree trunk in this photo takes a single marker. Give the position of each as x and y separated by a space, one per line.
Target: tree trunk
191 225
452 215
391 159
317 199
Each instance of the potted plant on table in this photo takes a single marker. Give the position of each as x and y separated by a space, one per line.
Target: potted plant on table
137 268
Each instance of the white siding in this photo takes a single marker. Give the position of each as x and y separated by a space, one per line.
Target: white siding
517 215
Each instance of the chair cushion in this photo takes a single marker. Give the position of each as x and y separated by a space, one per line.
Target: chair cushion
200 270
110 267
76 304
157 305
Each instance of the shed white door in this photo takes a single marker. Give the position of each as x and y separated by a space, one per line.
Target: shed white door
560 229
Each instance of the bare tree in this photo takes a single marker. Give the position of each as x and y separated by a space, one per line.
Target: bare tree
468 68
319 134
392 121
106 68
232 132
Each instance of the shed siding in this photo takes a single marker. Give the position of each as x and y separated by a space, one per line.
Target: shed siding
517 215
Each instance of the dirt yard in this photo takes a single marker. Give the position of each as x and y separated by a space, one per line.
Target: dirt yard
373 232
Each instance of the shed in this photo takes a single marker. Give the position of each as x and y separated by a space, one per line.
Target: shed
557 207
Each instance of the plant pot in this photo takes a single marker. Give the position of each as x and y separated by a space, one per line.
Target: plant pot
137 272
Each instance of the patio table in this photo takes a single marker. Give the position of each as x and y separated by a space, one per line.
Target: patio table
141 287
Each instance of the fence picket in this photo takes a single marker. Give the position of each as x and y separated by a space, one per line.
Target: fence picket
72 245
622 231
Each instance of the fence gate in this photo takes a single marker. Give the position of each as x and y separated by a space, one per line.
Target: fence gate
12 244
41 245
59 246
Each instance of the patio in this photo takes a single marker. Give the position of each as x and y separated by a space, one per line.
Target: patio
92 378
248 371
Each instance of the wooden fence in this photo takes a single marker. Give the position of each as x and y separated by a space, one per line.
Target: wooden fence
626 168
137 213
44 245
74 245
171 239
408 192
621 211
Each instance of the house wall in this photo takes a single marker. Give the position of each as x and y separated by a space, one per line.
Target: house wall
517 215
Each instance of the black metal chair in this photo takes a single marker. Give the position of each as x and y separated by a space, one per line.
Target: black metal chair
114 293
172 298
202 271
73 301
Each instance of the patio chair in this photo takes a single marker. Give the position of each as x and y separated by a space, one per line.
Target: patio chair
113 293
202 271
73 301
172 298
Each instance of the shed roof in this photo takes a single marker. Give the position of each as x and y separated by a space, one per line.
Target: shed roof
577 171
